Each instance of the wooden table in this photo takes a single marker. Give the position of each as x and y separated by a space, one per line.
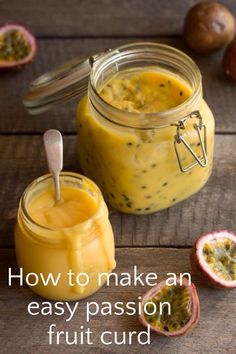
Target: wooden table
160 242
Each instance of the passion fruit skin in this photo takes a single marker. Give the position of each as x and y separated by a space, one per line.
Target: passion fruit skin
201 271
195 309
208 26
6 64
229 60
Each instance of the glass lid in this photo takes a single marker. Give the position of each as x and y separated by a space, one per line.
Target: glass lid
66 82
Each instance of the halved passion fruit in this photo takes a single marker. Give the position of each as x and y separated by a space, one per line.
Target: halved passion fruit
180 317
17 46
214 258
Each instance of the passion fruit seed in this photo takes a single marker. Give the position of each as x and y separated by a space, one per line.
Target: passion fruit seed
213 258
220 256
14 46
180 301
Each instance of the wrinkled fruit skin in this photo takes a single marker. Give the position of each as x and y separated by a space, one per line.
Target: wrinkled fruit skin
195 310
200 271
229 60
6 64
208 26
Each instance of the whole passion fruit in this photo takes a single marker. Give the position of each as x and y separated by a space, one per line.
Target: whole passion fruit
214 259
229 60
208 26
184 308
17 46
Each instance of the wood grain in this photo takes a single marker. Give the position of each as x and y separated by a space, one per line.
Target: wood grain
214 207
70 28
104 17
218 91
214 333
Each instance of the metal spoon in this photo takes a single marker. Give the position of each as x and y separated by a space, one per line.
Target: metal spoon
54 151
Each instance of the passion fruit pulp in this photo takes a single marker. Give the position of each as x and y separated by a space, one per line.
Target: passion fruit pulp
214 259
17 46
184 308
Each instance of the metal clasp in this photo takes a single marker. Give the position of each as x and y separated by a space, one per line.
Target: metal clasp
201 130
93 58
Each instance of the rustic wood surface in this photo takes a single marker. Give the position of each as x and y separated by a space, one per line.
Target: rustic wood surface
30 333
100 18
214 207
160 242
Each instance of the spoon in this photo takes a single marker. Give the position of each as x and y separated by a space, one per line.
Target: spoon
54 151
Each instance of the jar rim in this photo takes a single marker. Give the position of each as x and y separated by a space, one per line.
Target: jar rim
43 178
155 119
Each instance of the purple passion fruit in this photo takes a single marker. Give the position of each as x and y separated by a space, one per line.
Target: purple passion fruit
208 26
214 259
229 60
184 304
17 46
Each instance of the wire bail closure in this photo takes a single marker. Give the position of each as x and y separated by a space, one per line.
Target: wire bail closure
200 127
93 58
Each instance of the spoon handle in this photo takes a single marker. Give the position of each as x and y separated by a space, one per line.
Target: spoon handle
54 151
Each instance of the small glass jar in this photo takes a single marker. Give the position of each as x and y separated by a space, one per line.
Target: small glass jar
143 162
84 248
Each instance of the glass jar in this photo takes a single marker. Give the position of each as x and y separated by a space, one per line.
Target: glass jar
143 162
84 248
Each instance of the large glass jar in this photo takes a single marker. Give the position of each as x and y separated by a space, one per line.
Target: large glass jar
143 162
86 248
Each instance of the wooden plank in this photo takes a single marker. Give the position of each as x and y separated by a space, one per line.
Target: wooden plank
215 332
219 93
104 17
23 159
